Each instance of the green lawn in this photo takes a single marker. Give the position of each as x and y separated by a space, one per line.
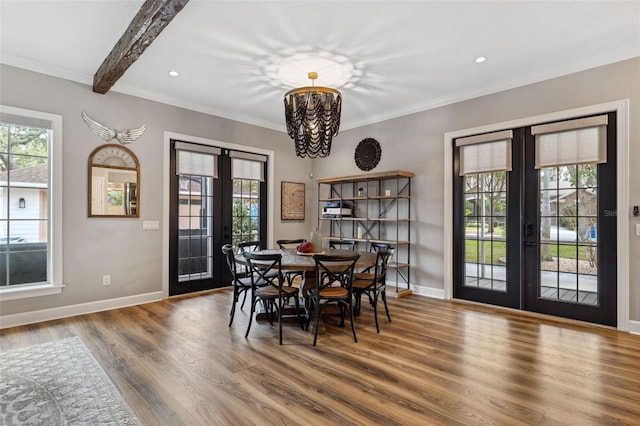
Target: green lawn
495 250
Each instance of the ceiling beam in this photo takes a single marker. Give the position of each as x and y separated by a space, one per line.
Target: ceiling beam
151 19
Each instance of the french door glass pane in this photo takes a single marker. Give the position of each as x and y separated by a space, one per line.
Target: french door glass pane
485 230
246 211
195 239
568 234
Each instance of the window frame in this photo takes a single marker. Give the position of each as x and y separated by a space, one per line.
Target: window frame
54 284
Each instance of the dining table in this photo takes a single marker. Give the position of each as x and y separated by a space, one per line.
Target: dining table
292 260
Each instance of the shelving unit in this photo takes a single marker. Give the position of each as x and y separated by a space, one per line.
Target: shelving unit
380 206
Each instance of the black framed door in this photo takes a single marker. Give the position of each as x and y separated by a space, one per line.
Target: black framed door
541 238
487 237
571 236
208 210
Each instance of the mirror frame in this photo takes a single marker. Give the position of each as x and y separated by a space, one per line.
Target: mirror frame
99 158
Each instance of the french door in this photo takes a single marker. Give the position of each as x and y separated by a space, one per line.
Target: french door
218 197
538 230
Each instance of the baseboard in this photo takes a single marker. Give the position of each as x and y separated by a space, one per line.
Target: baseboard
436 293
32 317
634 327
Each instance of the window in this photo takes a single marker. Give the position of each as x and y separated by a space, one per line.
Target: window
30 203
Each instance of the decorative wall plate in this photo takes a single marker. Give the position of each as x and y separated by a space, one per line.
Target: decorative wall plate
368 154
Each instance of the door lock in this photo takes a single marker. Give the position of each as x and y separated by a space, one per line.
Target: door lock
528 229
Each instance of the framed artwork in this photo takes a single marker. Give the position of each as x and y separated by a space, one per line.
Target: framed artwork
292 201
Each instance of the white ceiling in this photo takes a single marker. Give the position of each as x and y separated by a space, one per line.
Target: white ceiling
405 56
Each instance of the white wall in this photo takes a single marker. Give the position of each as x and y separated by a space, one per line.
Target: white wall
415 143
119 247
93 247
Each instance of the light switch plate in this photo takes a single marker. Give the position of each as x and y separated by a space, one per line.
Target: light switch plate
151 224
638 229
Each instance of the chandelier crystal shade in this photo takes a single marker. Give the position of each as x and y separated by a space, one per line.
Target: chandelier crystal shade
313 118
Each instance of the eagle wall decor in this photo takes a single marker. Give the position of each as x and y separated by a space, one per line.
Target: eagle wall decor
124 137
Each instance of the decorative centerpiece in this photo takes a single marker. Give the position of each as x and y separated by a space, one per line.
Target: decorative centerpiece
316 241
311 247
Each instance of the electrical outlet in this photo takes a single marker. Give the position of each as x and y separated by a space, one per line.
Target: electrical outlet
106 280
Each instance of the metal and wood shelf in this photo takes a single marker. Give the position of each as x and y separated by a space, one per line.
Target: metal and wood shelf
380 206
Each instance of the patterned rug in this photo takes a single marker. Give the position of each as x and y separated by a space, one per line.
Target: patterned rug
59 383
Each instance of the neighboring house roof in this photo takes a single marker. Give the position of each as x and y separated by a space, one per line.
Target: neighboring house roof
35 174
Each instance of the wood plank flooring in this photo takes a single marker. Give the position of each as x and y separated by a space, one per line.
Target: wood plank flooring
438 362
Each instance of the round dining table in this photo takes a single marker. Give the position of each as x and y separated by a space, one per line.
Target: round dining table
294 261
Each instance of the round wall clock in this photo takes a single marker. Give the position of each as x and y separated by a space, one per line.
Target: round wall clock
113 155
367 154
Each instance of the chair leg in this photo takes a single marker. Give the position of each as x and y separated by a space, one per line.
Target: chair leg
315 331
297 305
268 307
353 325
253 308
233 306
279 317
309 314
243 299
375 310
383 294
357 296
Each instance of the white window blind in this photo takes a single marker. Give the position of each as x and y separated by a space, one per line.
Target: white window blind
580 141
196 160
20 120
490 152
247 166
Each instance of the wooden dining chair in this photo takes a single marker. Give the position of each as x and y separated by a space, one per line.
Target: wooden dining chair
241 284
342 244
254 246
333 287
289 244
294 278
249 246
375 246
366 273
267 268
375 286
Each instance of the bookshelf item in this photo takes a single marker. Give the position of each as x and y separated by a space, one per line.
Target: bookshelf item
371 208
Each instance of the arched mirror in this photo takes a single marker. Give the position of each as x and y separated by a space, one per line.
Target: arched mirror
114 182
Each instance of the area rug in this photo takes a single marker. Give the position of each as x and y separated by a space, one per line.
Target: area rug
59 383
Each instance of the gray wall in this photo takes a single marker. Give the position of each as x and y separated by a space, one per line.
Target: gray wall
416 143
93 247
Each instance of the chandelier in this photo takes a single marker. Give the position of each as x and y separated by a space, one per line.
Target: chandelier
313 118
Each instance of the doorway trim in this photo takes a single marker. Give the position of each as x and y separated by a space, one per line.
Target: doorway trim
166 146
621 107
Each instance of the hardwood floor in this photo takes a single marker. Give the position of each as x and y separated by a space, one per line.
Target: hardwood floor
438 362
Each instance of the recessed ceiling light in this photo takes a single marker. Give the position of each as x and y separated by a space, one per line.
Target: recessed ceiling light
480 59
174 73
